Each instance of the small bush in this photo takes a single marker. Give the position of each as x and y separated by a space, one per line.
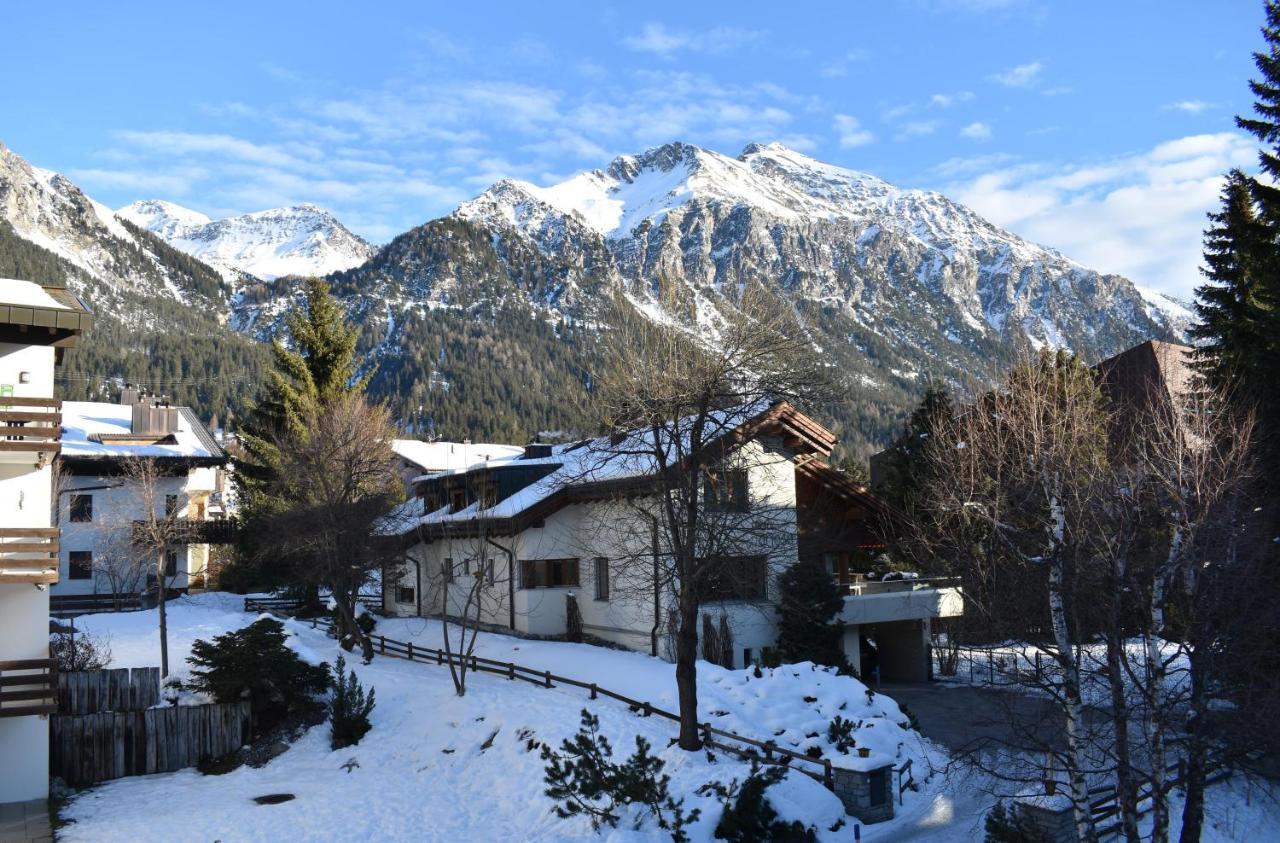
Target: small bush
913 722
748 816
584 781
366 621
350 708
1004 826
79 651
840 734
254 663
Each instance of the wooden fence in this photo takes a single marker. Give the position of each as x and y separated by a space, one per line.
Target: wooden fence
108 726
766 752
90 748
121 689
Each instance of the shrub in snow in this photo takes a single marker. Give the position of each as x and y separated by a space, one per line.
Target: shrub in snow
254 663
584 780
840 734
717 641
808 609
573 619
79 651
350 708
748 816
1004 826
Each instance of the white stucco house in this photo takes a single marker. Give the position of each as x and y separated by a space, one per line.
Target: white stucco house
98 502
36 323
515 536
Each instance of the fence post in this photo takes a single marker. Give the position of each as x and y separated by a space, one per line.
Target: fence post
547 677
648 710
439 656
511 670
593 690
991 667
768 750
410 647
1039 678
706 734
382 644
827 778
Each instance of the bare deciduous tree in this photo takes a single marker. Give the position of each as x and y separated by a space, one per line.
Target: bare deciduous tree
676 409
336 479
156 534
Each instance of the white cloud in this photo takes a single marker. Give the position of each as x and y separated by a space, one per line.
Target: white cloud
656 38
1141 216
851 132
917 129
948 100
977 131
1189 106
1022 76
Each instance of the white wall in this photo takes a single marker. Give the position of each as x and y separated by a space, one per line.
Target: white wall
115 507
24 608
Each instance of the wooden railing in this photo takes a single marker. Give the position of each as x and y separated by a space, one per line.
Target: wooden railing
28 554
214 531
28 686
30 425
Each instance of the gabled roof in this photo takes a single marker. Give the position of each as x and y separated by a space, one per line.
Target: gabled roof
1151 369
96 432
597 468
433 457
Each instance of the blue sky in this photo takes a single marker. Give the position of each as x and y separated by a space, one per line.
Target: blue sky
1100 128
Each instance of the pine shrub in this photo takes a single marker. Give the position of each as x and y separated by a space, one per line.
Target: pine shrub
1004 826
584 781
748 817
254 663
840 734
808 609
350 708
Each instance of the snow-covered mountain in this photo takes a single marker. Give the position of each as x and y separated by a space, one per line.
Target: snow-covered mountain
855 244
299 240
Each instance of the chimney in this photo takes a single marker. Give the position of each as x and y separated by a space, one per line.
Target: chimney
536 450
150 419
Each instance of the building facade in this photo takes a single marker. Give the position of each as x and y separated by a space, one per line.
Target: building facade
36 322
513 540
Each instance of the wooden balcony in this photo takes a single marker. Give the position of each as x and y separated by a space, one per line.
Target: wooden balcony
28 686
212 531
28 554
30 428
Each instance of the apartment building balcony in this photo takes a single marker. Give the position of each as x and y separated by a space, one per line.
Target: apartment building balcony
29 555
195 531
28 686
30 429
883 601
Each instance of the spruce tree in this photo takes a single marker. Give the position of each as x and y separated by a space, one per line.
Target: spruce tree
1239 307
810 603
315 365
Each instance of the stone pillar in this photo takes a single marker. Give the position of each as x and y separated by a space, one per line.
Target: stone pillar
866 794
1051 817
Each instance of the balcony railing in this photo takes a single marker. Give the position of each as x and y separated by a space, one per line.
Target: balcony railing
862 587
29 427
214 531
28 686
28 554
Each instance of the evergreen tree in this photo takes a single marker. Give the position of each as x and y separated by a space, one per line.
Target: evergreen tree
808 611
314 367
902 467
1240 306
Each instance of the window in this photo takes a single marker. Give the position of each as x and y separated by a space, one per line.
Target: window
81 508
548 573
736 578
490 576
602 578
404 594
458 500
446 569
81 564
725 490
746 657
171 563
170 505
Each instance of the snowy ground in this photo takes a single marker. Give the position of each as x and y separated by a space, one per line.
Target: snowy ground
423 773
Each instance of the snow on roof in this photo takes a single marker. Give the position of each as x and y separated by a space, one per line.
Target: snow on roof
84 419
434 457
27 294
628 456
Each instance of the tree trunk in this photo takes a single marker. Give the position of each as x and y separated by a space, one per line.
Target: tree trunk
1126 783
1072 709
164 620
1155 722
1197 750
686 669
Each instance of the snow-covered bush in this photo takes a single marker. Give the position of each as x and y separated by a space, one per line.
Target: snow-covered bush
584 780
349 709
840 734
748 816
254 663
